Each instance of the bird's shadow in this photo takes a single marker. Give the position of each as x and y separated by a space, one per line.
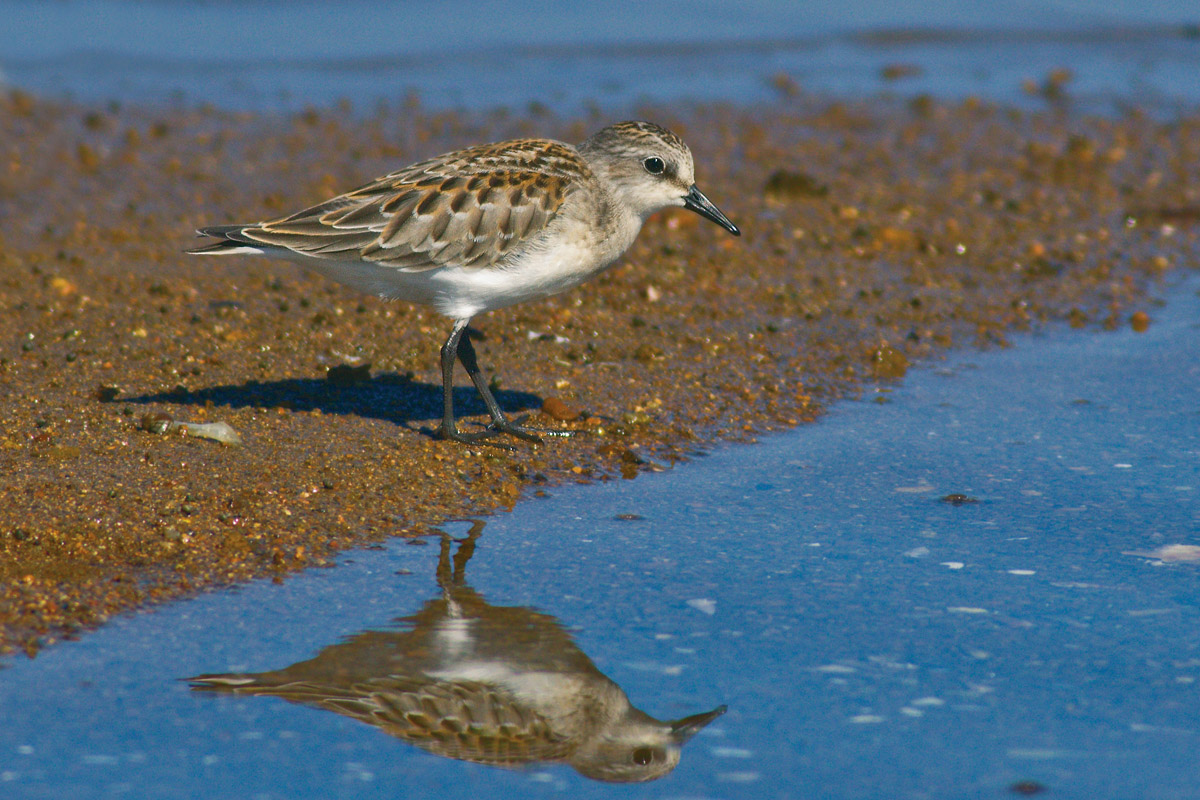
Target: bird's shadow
389 397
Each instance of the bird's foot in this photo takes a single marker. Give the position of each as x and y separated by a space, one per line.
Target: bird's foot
485 436
511 427
516 428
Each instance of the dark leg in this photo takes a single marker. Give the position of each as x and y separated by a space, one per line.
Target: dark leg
449 354
443 567
466 354
459 345
466 549
450 580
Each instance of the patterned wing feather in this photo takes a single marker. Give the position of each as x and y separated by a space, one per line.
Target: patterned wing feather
469 208
465 720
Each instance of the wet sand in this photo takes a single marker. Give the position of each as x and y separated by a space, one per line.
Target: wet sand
876 234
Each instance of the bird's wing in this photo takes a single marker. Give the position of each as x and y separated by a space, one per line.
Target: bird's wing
464 720
468 208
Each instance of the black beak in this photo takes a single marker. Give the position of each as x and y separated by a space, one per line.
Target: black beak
696 201
686 728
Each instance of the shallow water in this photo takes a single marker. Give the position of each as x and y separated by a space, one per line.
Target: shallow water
267 54
868 637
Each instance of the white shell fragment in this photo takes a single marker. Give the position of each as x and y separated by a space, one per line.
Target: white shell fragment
1187 553
217 431
704 605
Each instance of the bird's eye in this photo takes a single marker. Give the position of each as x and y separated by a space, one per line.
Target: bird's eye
643 755
654 165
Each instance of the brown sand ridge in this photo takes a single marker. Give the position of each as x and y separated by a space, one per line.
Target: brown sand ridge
875 235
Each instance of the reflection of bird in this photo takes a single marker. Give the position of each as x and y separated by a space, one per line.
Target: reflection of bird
484 228
497 685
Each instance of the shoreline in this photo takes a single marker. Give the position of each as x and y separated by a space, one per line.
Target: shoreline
875 236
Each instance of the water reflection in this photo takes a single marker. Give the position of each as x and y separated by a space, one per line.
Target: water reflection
498 685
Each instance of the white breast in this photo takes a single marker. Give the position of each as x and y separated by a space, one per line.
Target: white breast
567 253
565 257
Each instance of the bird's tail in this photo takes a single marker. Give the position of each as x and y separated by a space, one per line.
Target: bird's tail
231 240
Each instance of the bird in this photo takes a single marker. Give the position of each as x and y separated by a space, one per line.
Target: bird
504 686
484 228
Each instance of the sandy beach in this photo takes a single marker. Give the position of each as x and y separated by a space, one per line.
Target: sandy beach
876 235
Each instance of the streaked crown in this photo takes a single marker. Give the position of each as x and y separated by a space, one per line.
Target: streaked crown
650 167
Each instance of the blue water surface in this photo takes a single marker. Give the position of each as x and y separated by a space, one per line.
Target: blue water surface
473 54
870 637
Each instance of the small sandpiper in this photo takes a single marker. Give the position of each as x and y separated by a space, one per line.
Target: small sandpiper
505 686
485 228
